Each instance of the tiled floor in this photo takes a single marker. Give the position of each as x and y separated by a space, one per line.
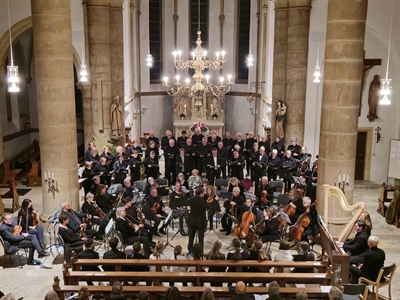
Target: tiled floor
32 282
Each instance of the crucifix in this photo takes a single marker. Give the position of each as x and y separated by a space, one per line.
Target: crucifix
368 63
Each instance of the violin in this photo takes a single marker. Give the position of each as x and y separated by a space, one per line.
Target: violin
18 228
211 198
248 218
99 211
263 199
296 231
140 216
82 228
35 220
254 233
155 207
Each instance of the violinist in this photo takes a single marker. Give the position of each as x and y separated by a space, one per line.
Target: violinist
264 186
91 208
287 169
103 170
212 198
88 173
232 207
135 164
176 199
273 164
213 166
75 220
120 169
130 232
155 211
129 191
260 166
236 165
271 232
151 165
30 223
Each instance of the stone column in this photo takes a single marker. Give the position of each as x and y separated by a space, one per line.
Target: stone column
280 58
85 88
296 68
260 127
344 49
52 44
105 61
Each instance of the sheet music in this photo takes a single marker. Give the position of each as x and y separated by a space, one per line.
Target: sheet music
325 288
261 297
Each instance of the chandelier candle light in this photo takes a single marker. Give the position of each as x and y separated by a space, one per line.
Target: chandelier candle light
201 83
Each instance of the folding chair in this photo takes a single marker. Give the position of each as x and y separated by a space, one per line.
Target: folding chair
15 251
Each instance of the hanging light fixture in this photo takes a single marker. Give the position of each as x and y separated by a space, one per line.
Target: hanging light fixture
385 91
82 68
12 71
149 60
249 60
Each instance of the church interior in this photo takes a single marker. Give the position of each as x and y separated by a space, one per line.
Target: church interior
325 72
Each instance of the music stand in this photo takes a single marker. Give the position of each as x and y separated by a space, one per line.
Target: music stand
167 228
174 205
53 220
216 209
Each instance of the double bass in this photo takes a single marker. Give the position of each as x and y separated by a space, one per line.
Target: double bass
248 218
296 231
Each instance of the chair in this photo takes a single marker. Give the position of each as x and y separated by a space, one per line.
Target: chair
139 185
279 240
283 200
277 184
355 291
163 189
15 251
384 278
221 182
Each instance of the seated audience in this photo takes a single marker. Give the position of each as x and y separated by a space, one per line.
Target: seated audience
84 294
215 254
51 295
260 255
173 294
88 253
158 254
304 255
373 262
335 294
143 295
302 295
284 255
240 292
208 294
114 253
117 292
177 255
273 291
238 254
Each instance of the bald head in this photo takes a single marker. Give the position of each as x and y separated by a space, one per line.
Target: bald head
240 287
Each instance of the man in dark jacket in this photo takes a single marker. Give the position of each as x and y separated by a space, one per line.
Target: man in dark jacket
117 292
240 292
89 253
197 218
373 262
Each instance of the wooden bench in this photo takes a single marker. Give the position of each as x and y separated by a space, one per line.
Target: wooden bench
25 157
104 291
34 174
12 186
384 197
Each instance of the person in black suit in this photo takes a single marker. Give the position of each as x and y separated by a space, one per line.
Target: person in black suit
358 246
182 163
236 203
114 253
170 153
89 208
71 238
153 139
75 219
223 153
273 164
248 146
260 167
213 139
203 151
373 262
197 221
24 240
264 142
135 163
89 253
236 165
213 166
181 141
279 146
190 156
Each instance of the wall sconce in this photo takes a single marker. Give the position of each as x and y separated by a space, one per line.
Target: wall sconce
378 134
53 185
265 125
343 183
135 114
253 111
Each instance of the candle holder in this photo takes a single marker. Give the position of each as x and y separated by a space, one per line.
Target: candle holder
53 185
343 183
136 114
253 111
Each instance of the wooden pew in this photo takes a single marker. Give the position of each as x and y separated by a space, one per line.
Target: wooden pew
29 154
384 197
34 174
104 291
15 202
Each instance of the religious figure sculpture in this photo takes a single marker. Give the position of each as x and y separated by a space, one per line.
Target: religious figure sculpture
116 111
373 98
280 123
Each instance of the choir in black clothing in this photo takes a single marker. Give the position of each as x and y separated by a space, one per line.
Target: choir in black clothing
120 169
103 170
214 163
135 164
151 165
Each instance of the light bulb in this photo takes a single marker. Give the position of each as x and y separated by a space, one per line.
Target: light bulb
187 80
179 52
204 53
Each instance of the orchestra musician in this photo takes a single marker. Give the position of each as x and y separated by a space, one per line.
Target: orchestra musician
250 141
246 207
170 154
120 169
213 139
234 182
71 238
197 217
150 183
184 183
181 141
260 167
271 232
190 156
195 180
152 138
212 198
264 142
135 164
236 165
88 173
75 220
304 159
181 212
287 168
264 186
151 165
91 208
182 163
155 211
213 166
294 147
103 170
103 199
279 146
30 222
129 191
130 232
203 150
223 153
312 229
296 203
232 207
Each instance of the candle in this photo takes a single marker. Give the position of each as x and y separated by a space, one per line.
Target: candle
347 178
185 108
45 176
49 175
339 177
52 175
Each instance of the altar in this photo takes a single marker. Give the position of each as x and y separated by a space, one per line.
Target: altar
180 125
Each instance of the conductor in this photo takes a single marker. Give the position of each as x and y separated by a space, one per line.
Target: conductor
197 218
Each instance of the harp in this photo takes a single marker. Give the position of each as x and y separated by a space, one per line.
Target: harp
332 193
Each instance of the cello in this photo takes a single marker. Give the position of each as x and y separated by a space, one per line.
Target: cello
248 218
296 231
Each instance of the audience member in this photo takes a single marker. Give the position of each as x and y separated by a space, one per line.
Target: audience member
158 254
173 294
84 294
240 292
284 255
88 253
208 294
177 255
117 292
215 254
302 295
114 253
260 255
51 295
273 291
143 295
335 294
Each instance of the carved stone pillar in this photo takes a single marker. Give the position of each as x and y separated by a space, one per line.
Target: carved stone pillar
344 49
52 44
85 88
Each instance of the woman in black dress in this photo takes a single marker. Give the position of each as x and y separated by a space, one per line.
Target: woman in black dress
120 169
103 170
271 232
135 164
71 239
88 173
103 199
27 212
151 165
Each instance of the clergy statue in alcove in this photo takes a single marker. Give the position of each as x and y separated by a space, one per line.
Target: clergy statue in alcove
373 98
116 111
280 122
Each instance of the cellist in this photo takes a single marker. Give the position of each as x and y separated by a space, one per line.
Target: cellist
312 229
296 203
232 207
246 207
